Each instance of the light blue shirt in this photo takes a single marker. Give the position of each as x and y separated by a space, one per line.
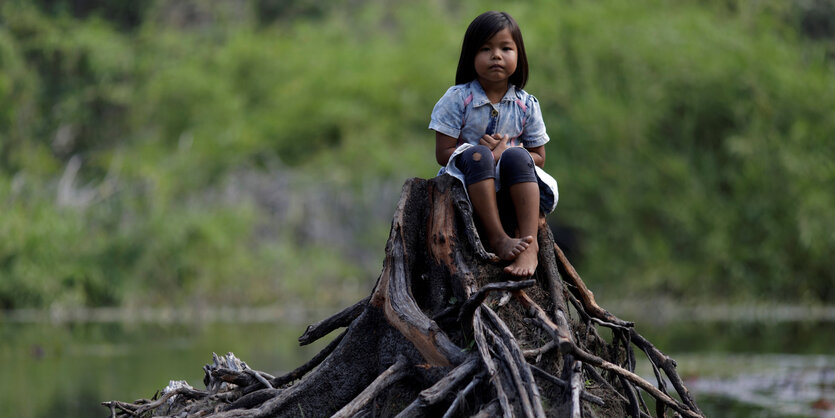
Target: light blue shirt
465 112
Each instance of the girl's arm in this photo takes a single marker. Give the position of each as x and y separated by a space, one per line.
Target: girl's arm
538 154
444 147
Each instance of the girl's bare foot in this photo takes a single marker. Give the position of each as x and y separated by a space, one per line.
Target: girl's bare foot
509 248
525 263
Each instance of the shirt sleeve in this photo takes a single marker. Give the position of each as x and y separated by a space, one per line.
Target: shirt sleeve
534 134
448 114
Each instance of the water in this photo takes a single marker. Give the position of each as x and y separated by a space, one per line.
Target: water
767 384
67 368
756 385
767 362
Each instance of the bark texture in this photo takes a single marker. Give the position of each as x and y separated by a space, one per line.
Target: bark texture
446 332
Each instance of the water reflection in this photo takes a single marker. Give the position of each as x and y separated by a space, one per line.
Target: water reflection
768 361
772 385
65 369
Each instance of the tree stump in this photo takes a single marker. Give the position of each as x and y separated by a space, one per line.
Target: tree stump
446 332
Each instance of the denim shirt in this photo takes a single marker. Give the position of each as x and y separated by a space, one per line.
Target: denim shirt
465 112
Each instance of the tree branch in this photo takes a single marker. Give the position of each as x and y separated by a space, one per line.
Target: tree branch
340 320
586 295
443 388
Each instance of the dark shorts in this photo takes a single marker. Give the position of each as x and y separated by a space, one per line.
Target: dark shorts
515 166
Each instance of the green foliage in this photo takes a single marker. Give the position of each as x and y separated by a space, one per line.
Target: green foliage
171 162
684 134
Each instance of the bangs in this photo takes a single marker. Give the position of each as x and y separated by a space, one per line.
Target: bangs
482 28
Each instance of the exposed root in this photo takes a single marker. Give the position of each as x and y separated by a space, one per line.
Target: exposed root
443 389
304 368
340 320
446 333
143 406
565 386
394 373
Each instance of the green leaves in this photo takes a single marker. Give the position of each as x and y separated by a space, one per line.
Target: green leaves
692 144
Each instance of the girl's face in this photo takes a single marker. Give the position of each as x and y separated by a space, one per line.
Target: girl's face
495 61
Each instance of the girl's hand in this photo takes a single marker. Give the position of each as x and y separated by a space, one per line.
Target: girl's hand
499 144
490 141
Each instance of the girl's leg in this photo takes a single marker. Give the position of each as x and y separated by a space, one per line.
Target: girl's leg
519 177
525 198
477 165
483 198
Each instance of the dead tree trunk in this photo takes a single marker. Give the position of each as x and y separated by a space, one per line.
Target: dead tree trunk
446 333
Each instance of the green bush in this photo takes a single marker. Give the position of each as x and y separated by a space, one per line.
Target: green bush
683 133
169 160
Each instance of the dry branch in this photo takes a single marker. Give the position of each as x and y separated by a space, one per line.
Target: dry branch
342 319
442 389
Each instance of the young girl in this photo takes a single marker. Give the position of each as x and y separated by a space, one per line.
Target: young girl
490 135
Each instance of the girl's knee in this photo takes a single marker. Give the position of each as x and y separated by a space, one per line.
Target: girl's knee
516 159
517 166
477 164
478 157
476 153
516 156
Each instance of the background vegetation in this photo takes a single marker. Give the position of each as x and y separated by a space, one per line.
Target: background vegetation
251 152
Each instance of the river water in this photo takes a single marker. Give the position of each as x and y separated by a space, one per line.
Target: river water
66 366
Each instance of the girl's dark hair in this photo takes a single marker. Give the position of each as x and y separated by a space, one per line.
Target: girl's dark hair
480 30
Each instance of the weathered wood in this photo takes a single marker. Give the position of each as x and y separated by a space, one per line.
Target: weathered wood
599 379
476 299
428 341
567 345
253 399
393 293
461 396
488 411
635 379
453 379
589 303
510 367
560 333
340 320
394 373
492 369
304 368
259 378
139 408
442 389
233 376
566 387
576 386
519 366
537 353
667 364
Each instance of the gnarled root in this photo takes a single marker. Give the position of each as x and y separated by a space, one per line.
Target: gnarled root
446 333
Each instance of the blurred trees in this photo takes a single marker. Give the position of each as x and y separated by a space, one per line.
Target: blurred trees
234 151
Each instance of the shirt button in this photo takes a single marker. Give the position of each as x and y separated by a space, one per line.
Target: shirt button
494 113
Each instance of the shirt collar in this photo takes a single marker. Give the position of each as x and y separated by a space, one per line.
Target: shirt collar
480 97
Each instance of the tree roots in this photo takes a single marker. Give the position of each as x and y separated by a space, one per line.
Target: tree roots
446 333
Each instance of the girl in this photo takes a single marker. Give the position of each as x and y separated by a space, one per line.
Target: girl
490 135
